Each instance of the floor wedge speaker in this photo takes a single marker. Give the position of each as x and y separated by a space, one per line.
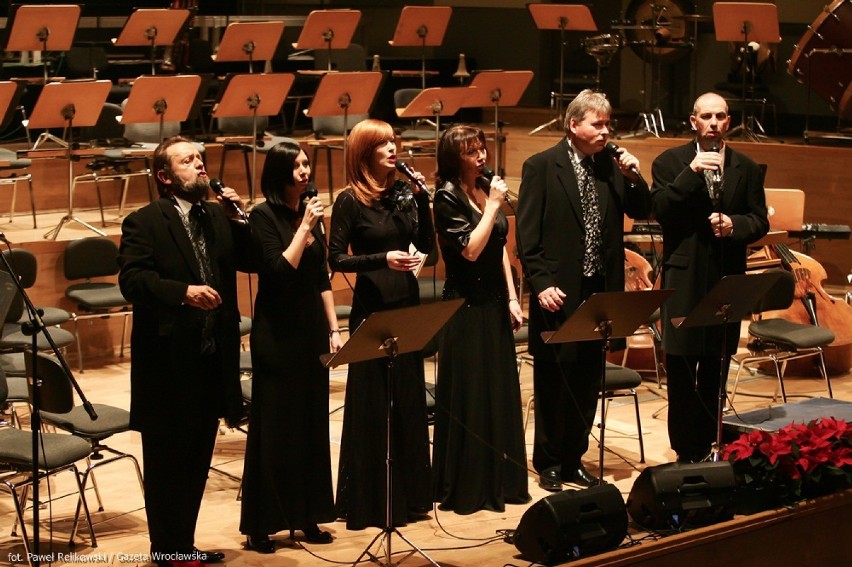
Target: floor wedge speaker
571 524
677 495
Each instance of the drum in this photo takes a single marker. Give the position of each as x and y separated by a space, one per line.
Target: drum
660 31
819 61
602 47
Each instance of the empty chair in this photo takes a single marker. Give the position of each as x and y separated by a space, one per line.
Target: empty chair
89 258
431 286
57 392
778 340
57 453
114 164
13 170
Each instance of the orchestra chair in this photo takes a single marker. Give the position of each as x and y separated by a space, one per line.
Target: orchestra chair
57 392
418 142
58 453
620 382
236 132
18 169
113 165
779 340
431 287
94 257
328 131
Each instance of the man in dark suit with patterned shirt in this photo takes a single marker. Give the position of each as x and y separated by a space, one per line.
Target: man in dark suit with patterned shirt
570 227
179 257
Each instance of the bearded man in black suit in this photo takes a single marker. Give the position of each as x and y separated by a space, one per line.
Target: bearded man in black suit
179 257
570 229
709 199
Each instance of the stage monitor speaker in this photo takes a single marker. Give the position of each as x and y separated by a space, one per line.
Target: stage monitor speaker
572 524
682 495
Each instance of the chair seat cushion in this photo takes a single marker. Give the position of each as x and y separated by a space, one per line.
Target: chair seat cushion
111 420
59 449
245 361
245 388
431 289
51 316
794 335
19 391
523 335
96 296
15 339
245 325
621 378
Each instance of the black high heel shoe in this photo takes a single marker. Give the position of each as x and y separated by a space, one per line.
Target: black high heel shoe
314 535
260 544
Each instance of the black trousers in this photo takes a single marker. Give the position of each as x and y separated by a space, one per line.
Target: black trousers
693 387
176 465
566 383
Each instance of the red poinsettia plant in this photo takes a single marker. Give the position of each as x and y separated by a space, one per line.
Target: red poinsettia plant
799 460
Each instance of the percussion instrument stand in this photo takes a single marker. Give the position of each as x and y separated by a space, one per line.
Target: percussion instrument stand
563 17
746 22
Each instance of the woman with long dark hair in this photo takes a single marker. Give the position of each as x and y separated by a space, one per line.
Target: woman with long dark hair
287 477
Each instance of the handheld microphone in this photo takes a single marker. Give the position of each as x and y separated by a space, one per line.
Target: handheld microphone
403 168
717 173
218 187
310 193
483 182
612 149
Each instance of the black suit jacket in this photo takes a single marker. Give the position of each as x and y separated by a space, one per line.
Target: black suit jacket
167 389
550 229
693 259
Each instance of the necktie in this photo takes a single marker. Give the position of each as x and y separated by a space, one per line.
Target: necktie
194 225
592 262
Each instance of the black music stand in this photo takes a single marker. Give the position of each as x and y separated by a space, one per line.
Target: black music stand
498 88
342 94
604 316
65 105
422 26
732 299
328 29
152 27
562 17
153 99
387 334
37 28
436 102
250 41
262 94
746 22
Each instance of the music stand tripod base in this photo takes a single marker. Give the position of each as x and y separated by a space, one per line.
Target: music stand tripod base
387 334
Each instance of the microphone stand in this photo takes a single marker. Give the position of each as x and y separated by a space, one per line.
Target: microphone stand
33 328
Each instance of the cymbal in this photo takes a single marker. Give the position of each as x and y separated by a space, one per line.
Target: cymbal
693 18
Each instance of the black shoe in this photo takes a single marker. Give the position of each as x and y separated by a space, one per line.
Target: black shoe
260 544
208 556
583 477
314 535
550 480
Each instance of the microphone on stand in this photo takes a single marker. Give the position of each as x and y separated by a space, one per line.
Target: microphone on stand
218 187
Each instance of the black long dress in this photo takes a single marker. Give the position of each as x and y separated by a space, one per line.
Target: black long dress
479 457
371 231
287 475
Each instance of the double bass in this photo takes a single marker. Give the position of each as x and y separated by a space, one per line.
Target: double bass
813 305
